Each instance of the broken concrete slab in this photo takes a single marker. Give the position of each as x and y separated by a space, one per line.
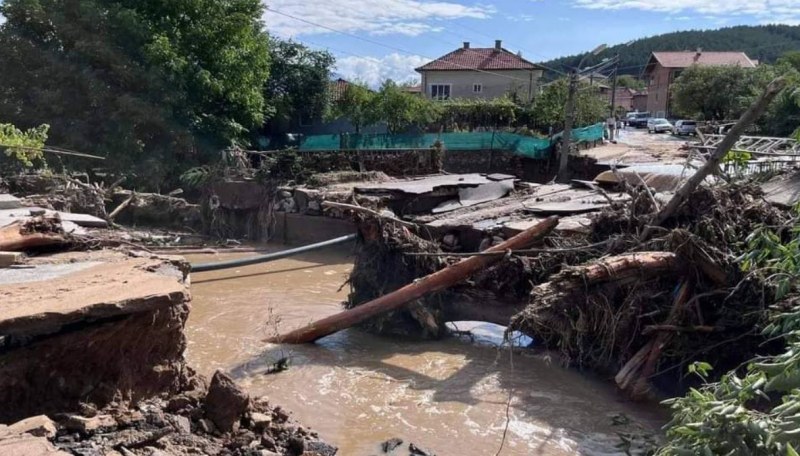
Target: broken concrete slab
661 177
109 330
78 292
425 184
9 201
470 196
783 190
9 216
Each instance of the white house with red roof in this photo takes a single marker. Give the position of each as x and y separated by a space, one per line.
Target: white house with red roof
480 73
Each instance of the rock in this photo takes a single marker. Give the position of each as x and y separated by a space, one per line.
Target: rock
281 414
268 453
156 452
296 446
450 240
225 402
260 421
314 207
39 426
285 194
389 445
180 423
181 402
28 445
129 418
206 426
417 451
321 448
302 196
91 425
267 442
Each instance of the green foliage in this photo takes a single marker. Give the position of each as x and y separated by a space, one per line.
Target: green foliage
474 113
548 109
740 414
765 43
713 93
154 85
298 84
357 104
626 80
24 146
402 110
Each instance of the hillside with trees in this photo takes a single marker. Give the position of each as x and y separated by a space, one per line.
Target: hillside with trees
764 43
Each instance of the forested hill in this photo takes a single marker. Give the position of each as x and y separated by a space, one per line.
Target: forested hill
765 43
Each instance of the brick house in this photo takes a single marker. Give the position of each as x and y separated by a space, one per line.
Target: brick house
480 73
664 67
630 99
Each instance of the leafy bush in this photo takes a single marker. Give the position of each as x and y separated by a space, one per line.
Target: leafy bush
741 413
24 146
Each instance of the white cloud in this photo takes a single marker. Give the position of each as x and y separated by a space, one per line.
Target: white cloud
772 11
376 17
373 71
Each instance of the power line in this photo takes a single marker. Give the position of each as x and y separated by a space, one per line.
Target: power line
394 48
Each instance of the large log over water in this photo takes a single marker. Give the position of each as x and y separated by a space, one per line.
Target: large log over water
437 281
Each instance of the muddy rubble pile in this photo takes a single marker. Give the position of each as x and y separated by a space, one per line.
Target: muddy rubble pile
637 308
221 420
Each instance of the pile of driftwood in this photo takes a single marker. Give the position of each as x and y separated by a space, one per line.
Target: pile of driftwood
654 287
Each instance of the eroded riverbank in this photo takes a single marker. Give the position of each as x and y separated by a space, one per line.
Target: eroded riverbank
358 390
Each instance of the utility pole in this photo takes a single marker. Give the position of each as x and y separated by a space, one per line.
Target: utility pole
569 115
614 99
566 137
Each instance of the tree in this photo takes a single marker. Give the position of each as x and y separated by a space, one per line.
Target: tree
402 110
548 109
626 80
356 104
154 85
298 82
714 93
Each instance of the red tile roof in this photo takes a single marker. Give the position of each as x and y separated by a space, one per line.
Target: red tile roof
487 59
687 59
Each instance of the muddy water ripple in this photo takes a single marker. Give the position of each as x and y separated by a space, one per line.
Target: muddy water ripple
358 390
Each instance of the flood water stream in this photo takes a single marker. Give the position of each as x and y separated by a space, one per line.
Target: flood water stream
358 390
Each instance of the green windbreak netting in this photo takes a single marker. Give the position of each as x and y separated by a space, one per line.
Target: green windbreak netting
590 133
526 146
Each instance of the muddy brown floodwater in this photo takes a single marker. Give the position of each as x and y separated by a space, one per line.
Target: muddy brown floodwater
358 390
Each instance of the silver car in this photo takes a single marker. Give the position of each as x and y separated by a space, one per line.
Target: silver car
685 127
658 126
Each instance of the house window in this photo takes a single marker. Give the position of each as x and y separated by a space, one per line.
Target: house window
477 88
440 91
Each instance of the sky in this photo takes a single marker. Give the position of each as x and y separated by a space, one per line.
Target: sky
378 39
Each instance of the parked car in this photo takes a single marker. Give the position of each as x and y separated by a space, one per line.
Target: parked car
639 120
685 127
658 126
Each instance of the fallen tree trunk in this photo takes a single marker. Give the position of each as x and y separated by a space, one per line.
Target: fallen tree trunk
31 233
437 281
614 268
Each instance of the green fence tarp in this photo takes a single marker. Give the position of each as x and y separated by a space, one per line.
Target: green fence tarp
526 146
522 145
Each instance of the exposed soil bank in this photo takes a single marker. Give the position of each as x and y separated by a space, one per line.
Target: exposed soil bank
108 328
